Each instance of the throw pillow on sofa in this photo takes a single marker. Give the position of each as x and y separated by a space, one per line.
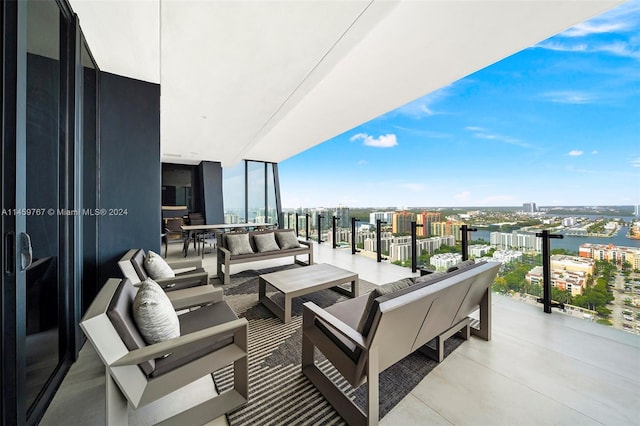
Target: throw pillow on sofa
153 313
266 242
387 288
157 267
239 244
287 240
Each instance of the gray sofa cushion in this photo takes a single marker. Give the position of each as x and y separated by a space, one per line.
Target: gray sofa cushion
461 265
266 242
287 240
153 313
156 267
120 313
375 293
430 278
238 243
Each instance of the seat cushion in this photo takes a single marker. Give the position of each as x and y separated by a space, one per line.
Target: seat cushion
287 240
348 311
157 267
199 319
120 313
153 313
238 243
266 242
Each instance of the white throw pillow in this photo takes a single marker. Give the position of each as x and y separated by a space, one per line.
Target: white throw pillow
266 242
153 313
287 240
239 244
157 267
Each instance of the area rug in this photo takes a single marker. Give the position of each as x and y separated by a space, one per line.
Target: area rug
278 391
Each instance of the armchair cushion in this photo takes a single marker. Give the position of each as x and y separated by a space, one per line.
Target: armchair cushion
287 240
156 267
239 244
153 313
120 313
266 242
190 322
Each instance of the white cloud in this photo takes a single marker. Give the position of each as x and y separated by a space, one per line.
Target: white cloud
501 138
635 162
592 27
575 153
569 97
475 129
594 152
463 196
423 107
562 47
383 141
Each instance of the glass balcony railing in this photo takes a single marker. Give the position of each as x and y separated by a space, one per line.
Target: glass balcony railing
587 286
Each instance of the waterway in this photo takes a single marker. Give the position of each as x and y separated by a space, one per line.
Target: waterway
572 243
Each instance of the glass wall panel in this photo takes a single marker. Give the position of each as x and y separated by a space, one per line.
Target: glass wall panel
89 182
234 194
256 200
272 211
43 148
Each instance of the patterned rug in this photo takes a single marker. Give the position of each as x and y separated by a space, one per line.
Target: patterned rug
278 391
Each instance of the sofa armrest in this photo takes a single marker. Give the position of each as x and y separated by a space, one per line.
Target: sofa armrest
195 296
310 308
182 264
160 349
192 277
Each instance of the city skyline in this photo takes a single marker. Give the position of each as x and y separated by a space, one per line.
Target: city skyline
557 123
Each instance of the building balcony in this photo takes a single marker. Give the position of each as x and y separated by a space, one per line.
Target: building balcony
537 369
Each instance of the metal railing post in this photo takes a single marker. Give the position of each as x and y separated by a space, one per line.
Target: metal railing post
546 271
320 217
354 249
414 247
379 223
297 231
335 231
465 240
306 215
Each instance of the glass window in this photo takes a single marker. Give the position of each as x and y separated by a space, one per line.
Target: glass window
234 194
256 201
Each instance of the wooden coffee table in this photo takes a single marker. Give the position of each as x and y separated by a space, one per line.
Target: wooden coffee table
300 281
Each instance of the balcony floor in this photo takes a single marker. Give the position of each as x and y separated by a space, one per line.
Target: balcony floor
538 369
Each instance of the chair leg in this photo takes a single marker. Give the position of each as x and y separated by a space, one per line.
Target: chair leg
116 403
373 387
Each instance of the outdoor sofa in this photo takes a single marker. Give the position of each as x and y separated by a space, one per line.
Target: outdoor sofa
361 337
242 247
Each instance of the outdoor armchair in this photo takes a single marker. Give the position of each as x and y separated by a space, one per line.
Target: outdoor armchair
211 337
132 265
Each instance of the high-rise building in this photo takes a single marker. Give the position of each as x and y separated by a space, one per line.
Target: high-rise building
447 228
342 212
402 222
426 219
529 207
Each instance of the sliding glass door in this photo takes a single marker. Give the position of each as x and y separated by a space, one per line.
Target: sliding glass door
38 157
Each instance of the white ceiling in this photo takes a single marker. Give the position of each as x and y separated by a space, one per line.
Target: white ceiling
265 80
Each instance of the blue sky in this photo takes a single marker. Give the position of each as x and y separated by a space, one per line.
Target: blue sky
556 124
